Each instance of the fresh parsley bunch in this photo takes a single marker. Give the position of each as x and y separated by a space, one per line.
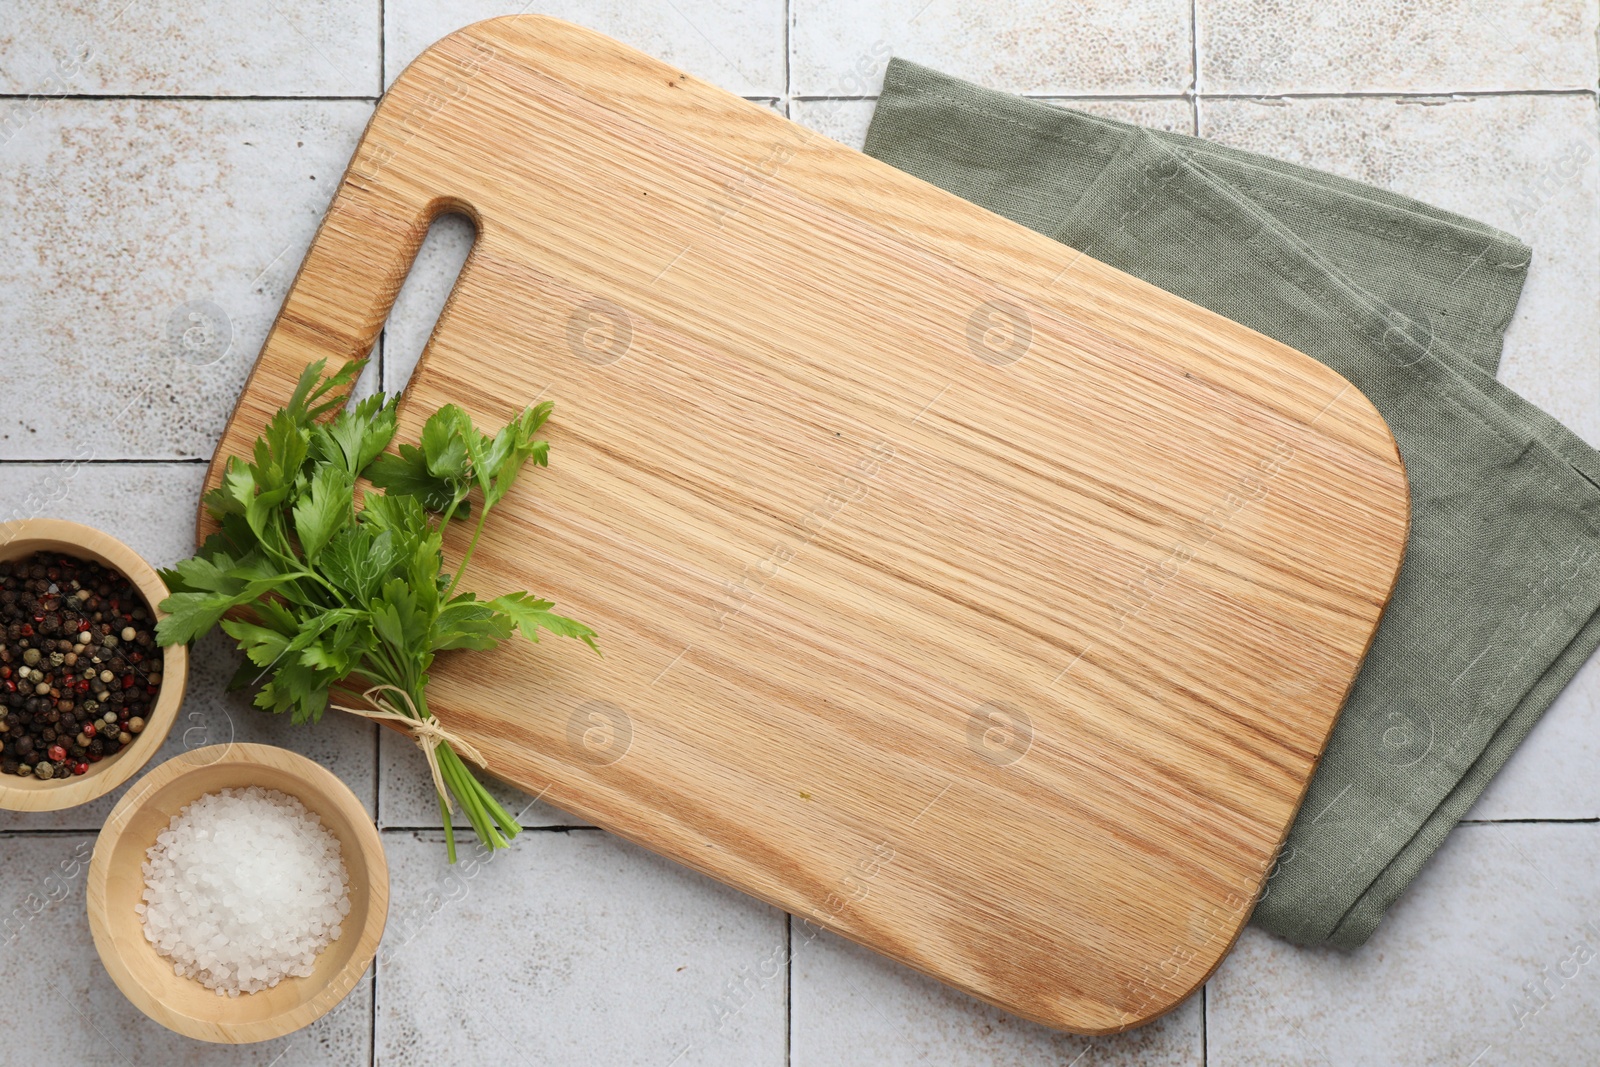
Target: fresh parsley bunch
324 590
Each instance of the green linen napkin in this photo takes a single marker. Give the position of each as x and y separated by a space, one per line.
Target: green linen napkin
1495 608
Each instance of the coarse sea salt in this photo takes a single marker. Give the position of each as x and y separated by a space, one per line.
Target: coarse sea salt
244 887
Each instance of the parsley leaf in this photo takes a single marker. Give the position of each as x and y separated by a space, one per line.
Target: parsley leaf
530 615
324 510
322 590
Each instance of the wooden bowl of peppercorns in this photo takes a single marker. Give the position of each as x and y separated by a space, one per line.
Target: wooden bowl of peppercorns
86 695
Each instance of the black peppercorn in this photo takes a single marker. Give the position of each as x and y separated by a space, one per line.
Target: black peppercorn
64 621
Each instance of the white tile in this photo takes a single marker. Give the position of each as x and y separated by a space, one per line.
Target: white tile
1267 46
852 1006
1447 978
151 507
422 296
171 47
737 44
846 121
149 245
1550 776
574 947
840 47
1529 165
53 983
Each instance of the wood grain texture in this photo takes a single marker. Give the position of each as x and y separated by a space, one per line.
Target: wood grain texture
21 538
958 593
116 884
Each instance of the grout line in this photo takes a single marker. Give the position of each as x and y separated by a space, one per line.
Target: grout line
247 98
321 97
383 29
1194 61
1378 94
1527 821
1187 94
190 461
1192 96
372 1014
377 777
788 990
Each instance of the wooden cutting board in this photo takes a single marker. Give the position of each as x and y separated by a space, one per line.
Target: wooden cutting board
958 593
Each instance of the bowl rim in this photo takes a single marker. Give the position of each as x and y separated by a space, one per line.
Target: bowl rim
77 539
339 984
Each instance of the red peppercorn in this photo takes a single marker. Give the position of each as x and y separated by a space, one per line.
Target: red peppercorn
80 768
83 624
26 630
56 753
127 681
90 729
11 687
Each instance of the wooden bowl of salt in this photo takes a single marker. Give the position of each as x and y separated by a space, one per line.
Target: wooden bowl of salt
117 884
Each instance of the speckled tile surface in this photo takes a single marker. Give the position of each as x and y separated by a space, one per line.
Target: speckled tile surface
172 48
738 44
149 244
1489 958
1427 46
575 947
157 192
839 47
1549 776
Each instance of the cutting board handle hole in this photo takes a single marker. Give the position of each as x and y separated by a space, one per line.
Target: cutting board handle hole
423 296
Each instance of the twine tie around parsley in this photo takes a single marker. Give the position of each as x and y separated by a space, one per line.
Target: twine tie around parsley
427 732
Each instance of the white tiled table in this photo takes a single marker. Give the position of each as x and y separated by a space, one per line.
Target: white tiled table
173 154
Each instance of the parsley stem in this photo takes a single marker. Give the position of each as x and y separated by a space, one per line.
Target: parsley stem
449 830
483 513
329 588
